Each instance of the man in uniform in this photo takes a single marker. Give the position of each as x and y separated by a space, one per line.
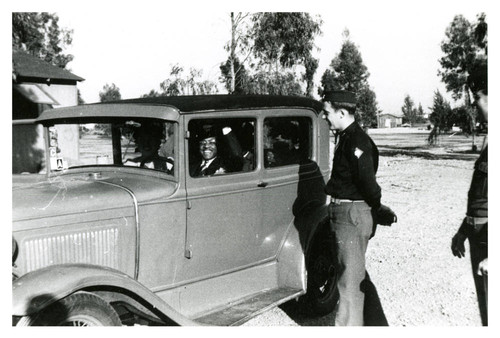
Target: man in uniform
475 224
354 194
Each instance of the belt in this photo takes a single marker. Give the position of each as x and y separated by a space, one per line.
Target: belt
340 200
474 221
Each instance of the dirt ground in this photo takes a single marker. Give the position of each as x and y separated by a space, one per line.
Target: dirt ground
418 280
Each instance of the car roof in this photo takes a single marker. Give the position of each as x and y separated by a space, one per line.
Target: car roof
173 106
199 103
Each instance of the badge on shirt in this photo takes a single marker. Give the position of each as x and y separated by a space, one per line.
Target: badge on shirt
358 152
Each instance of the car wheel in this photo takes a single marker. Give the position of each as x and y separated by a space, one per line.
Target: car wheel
78 309
322 293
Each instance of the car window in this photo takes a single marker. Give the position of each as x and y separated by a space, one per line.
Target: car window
287 140
148 144
221 146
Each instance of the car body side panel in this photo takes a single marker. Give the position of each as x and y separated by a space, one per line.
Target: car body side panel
163 227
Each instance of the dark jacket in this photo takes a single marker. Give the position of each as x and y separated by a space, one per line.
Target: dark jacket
477 203
230 160
355 164
217 164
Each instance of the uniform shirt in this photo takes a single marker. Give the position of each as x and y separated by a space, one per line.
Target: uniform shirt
355 163
477 203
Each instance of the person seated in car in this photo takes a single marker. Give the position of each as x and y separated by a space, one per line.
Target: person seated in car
148 139
212 161
247 146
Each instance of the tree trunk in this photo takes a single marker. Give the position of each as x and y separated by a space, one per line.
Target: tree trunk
232 55
470 110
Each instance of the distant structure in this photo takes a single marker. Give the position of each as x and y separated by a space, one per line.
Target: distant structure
36 86
388 120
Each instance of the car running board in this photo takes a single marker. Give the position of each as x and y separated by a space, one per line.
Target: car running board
242 311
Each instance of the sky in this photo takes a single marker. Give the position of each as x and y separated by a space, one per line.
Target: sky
134 44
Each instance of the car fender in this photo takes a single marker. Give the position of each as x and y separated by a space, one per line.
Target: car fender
320 222
40 288
297 244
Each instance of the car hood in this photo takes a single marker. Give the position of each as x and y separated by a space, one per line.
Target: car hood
34 197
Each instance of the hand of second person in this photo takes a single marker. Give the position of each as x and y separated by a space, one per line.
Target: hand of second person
458 245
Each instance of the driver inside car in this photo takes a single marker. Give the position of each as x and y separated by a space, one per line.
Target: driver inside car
148 139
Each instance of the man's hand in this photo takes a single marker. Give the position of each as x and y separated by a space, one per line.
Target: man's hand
483 268
457 245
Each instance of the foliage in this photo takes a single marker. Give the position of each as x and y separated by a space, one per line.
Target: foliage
409 111
465 45
233 71
265 51
110 93
241 78
440 112
79 97
180 84
311 65
39 34
461 117
279 84
420 114
284 39
348 72
367 110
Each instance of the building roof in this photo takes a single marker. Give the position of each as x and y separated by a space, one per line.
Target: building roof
28 66
390 114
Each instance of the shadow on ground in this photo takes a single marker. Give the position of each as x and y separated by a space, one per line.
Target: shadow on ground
373 310
429 155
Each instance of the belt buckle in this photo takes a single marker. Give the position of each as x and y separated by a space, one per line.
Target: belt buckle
336 201
471 221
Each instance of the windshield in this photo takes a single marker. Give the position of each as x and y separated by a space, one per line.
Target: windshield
145 143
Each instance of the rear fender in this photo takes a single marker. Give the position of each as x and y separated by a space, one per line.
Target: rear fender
40 288
297 245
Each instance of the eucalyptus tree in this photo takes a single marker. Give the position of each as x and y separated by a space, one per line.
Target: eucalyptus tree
465 45
39 34
347 71
265 50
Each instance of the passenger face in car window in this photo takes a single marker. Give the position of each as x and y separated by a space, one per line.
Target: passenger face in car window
208 148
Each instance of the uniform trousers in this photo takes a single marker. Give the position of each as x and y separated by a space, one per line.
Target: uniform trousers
478 252
352 225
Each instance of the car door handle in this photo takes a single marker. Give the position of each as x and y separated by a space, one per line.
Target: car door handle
262 184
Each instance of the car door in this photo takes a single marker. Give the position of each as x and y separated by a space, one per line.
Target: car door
224 210
290 172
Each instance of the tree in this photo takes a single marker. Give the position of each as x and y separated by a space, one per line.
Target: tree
465 45
285 83
266 55
284 39
440 112
79 97
348 72
420 114
409 111
233 70
110 93
39 34
180 84
367 110
235 80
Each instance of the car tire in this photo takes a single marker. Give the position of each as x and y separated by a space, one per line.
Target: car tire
78 309
322 293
